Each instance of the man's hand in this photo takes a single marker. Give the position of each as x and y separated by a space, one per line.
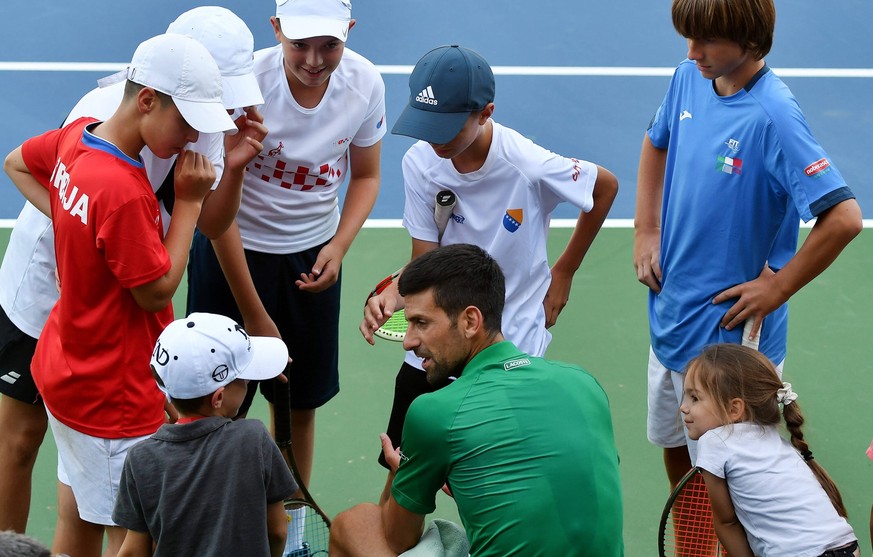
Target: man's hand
392 455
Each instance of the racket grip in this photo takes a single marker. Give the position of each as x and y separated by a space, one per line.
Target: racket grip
747 333
442 212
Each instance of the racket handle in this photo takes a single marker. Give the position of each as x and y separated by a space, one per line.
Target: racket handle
442 211
747 333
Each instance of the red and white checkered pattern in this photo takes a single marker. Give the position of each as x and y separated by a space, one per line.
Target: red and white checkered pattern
301 178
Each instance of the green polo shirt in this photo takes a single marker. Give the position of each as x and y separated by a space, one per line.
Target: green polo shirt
528 450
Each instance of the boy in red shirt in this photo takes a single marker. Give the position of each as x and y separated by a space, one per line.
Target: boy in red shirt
117 272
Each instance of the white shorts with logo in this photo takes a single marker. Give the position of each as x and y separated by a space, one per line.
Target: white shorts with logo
92 467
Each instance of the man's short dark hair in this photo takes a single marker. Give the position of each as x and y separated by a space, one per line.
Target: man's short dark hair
749 23
461 275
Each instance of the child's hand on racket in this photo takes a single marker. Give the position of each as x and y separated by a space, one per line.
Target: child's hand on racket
377 310
324 272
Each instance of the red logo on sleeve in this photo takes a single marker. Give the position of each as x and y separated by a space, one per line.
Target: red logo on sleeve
816 167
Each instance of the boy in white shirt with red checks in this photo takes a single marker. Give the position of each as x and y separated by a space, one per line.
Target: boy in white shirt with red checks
325 108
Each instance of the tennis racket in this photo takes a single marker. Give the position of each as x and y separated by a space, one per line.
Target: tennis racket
308 525
686 524
395 328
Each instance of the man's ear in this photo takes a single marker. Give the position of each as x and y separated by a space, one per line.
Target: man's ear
737 410
471 321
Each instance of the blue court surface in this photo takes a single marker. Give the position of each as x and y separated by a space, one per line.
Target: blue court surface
581 78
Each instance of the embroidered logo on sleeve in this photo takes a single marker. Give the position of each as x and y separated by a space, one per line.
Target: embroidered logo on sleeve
819 167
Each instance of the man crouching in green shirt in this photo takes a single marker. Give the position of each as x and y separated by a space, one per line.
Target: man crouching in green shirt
525 445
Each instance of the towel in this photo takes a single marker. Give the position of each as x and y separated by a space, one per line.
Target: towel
442 538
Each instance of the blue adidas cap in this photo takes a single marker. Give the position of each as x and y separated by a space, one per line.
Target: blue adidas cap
446 85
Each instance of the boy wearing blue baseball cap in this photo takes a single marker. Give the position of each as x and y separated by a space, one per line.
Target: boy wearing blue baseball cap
207 485
506 188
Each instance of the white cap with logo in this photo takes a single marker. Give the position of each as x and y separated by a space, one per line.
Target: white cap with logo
182 68
231 44
301 19
198 354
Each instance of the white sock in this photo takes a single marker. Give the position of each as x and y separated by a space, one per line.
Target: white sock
296 522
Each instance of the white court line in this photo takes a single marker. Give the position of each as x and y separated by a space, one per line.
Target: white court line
555 71
556 223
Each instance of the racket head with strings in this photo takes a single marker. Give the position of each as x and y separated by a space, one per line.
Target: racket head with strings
316 529
686 528
394 329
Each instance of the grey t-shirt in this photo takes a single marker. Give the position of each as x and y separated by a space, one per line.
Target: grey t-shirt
202 488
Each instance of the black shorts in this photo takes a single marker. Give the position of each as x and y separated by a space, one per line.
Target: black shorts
16 352
409 384
308 322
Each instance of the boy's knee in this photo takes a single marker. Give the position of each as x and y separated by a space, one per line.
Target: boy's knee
21 438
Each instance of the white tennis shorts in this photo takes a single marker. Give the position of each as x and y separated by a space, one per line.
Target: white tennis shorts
92 467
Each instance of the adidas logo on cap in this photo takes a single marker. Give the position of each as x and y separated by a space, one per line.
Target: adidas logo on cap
426 96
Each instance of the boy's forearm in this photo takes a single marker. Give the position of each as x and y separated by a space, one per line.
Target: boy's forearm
831 234
221 204
32 190
277 528
589 224
231 257
178 240
158 294
650 186
359 201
